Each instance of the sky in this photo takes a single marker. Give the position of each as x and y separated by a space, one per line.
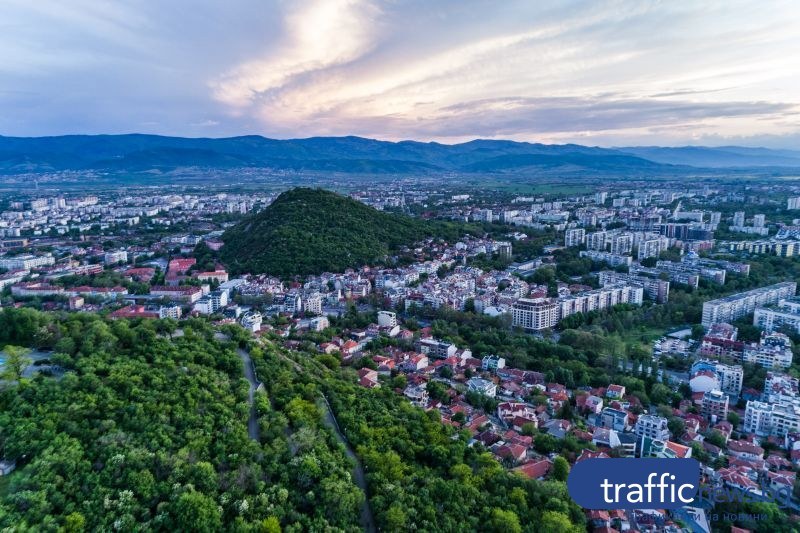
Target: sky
602 72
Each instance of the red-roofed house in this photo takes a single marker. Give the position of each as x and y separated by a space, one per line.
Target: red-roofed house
535 469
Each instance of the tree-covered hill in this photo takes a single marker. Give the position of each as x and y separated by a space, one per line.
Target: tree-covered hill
309 231
147 431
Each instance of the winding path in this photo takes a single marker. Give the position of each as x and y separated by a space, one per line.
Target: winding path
367 519
250 374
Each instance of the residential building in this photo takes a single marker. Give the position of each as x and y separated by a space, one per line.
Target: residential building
493 363
596 241
26 262
785 313
654 288
436 349
613 260
652 426
574 237
534 315
729 308
715 406
706 375
652 247
482 386
387 319
773 351
611 418
621 243
112 258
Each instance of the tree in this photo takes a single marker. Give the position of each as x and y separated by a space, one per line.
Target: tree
560 469
660 394
17 361
194 511
676 426
74 523
271 524
503 521
545 443
734 419
555 521
716 438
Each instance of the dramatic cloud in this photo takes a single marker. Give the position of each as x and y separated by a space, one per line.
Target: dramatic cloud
607 72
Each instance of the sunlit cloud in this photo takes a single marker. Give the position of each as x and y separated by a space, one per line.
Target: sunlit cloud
610 72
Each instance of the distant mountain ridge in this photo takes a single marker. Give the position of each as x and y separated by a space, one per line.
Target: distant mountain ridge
141 152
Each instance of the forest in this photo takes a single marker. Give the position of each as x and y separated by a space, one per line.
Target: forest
147 430
310 231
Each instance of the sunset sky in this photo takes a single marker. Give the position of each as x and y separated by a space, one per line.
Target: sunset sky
607 73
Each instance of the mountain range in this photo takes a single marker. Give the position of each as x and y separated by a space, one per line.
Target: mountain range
140 153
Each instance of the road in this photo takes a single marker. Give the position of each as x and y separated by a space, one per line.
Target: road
250 374
367 519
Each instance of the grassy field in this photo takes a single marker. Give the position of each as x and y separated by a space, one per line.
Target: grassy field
538 188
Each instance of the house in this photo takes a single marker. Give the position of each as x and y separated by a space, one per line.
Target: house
492 363
512 452
418 394
615 419
508 411
416 362
605 437
385 364
662 449
615 392
534 469
134 311
589 454
368 378
482 386
350 348
557 427
742 449
592 404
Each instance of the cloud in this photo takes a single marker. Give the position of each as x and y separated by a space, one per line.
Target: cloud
319 34
594 72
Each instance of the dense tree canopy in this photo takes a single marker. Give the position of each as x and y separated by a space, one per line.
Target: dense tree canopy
310 231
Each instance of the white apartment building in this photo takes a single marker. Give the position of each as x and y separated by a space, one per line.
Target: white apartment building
387 319
652 247
785 313
112 258
596 241
729 308
312 303
26 262
534 314
766 419
622 244
652 426
774 351
574 237
612 259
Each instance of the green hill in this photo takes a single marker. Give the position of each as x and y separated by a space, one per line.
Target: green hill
309 231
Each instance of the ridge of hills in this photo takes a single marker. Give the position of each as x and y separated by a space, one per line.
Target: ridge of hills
140 152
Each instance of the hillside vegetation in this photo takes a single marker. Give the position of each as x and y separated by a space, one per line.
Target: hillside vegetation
309 231
147 431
